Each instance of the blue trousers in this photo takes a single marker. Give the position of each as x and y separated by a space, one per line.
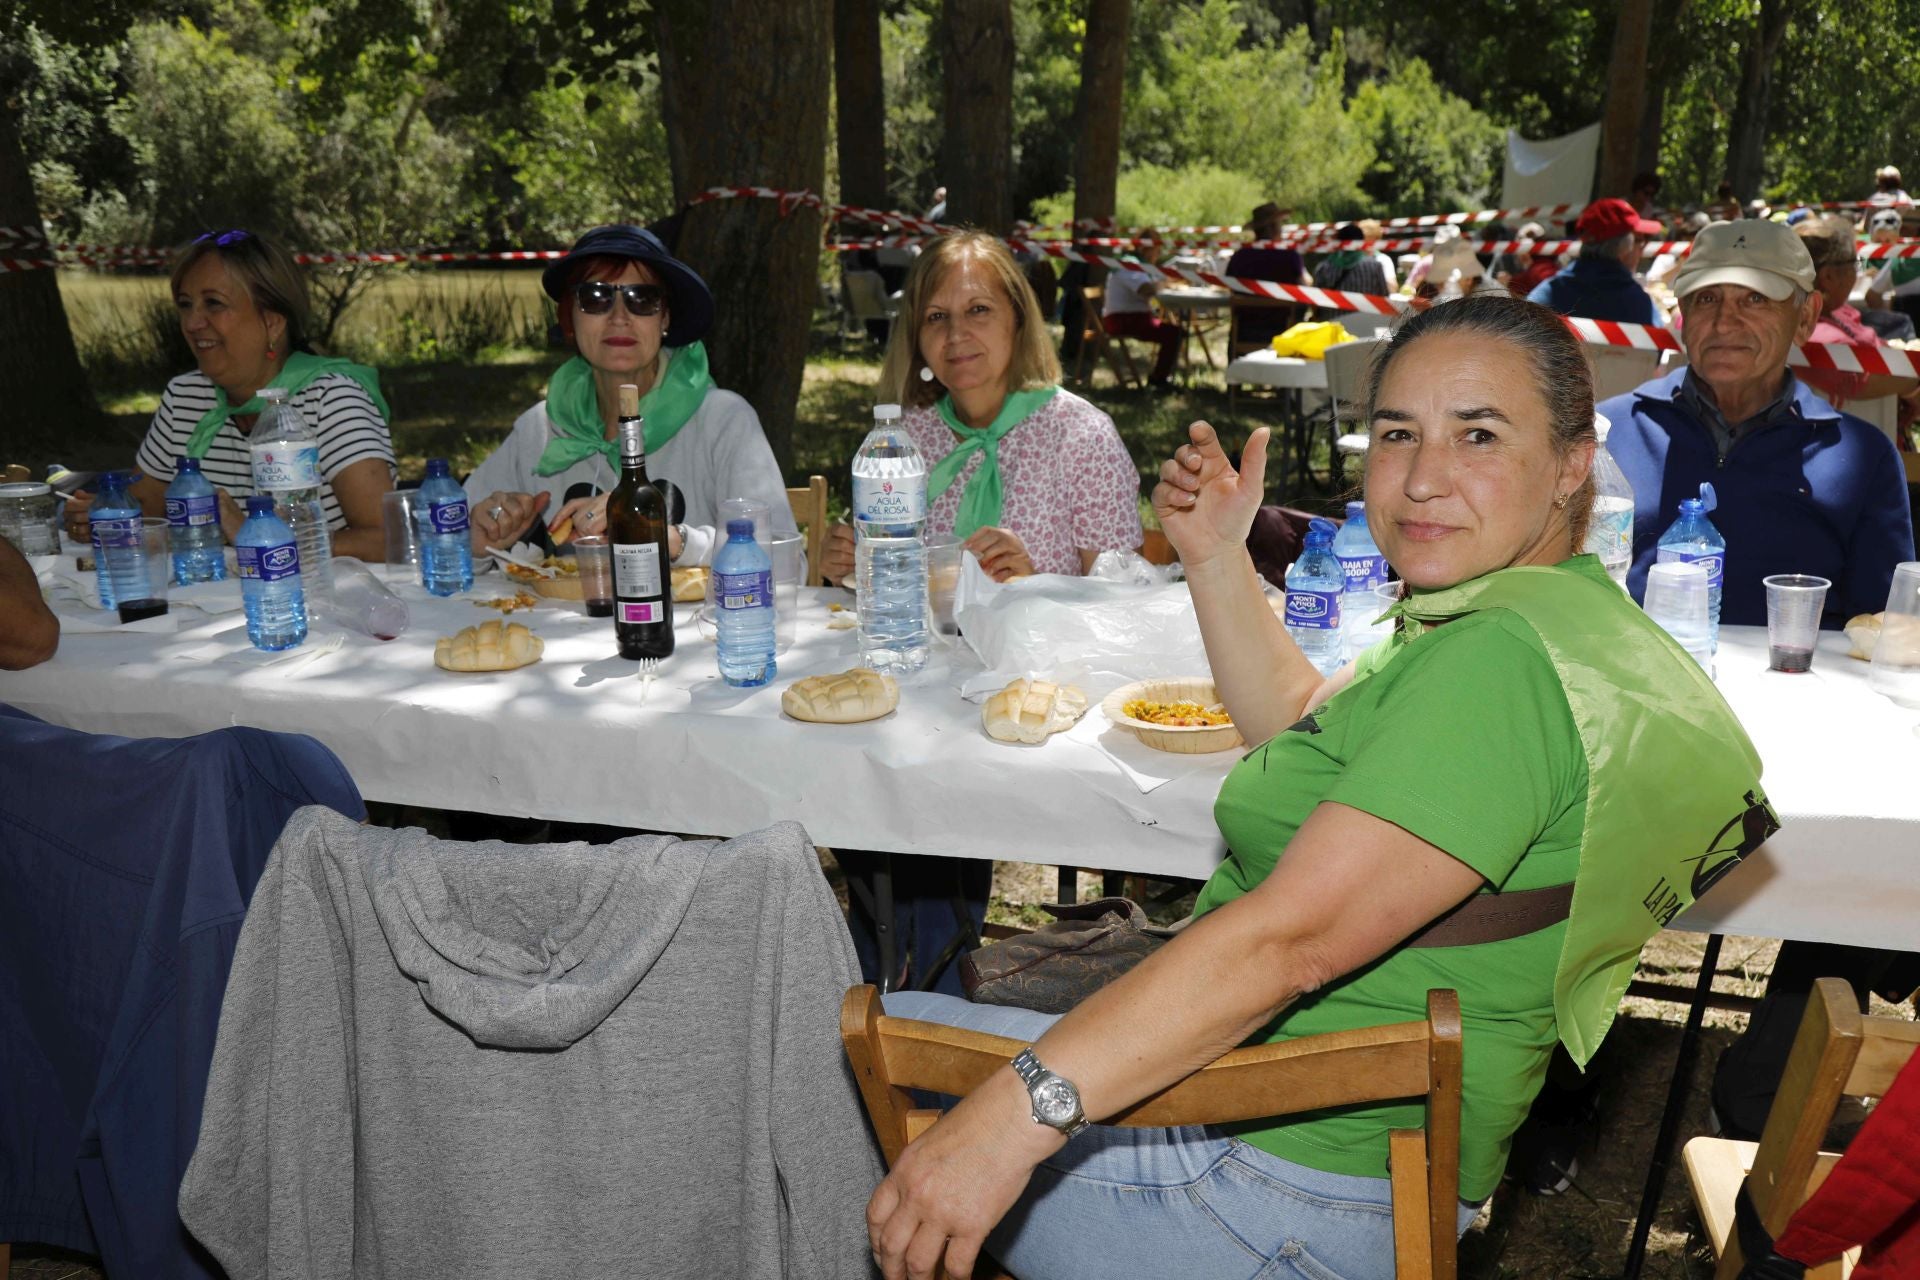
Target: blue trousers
1189 1202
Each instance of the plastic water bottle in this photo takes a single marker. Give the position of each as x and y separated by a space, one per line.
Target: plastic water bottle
270 586
1610 531
890 552
193 525
743 608
1365 595
1315 584
1692 539
119 549
440 519
286 465
361 601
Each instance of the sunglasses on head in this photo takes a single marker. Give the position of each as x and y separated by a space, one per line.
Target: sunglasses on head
223 238
595 298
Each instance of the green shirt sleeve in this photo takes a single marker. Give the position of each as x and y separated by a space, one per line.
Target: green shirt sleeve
1469 743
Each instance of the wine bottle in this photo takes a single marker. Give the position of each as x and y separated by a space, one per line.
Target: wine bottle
637 527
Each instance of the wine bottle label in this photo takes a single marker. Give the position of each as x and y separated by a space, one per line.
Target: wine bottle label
279 467
448 516
116 531
268 564
1314 610
636 571
743 590
651 611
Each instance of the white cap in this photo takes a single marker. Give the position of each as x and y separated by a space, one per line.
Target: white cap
1601 427
272 393
885 412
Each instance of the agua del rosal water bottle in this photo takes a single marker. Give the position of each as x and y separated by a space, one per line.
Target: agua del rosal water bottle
193 525
1315 584
743 608
119 549
890 551
270 586
286 465
440 520
1610 529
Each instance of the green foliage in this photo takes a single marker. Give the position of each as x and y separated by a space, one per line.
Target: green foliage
1151 196
1432 150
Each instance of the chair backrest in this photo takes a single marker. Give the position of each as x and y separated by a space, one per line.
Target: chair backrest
1882 411
1839 1052
809 505
1618 370
1091 310
1421 1059
867 296
1347 365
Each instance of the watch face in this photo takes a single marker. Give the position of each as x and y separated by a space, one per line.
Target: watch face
1055 1101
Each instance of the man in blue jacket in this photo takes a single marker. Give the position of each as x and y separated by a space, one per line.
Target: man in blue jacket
1802 487
1599 284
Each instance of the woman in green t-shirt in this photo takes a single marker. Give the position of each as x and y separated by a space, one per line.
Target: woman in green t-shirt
1482 750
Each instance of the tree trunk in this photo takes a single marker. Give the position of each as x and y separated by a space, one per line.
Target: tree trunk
746 84
1096 152
976 154
1626 97
1747 130
861 102
41 382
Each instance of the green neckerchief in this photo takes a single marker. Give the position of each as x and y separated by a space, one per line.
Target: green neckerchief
980 503
1673 784
1341 259
573 406
301 368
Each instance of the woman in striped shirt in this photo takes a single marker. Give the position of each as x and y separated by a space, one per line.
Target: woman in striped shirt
243 309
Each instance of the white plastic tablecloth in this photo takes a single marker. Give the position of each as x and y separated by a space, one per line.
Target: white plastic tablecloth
569 738
1265 369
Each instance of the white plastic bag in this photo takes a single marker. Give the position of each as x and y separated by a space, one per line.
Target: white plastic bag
1098 635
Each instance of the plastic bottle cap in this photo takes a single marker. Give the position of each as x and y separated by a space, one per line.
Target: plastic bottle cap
437 467
260 505
1601 427
1319 533
1357 511
272 393
739 528
885 412
186 466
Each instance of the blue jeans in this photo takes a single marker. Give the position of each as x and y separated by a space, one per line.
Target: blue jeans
1188 1202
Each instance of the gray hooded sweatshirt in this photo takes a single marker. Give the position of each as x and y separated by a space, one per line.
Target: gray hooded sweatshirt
477 1060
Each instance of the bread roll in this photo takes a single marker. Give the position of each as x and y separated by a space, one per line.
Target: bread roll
1029 710
491 646
847 698
562 532
690 583
1863 630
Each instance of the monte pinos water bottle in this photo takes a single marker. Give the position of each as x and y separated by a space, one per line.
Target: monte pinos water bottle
890 552
440 520
270 587
193 525
119 552
1315 584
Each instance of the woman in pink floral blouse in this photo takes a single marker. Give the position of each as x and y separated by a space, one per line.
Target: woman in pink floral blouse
1032 478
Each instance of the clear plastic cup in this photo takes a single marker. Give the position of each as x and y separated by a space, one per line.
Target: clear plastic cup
1896 656
156 541
1794 601
594 556
788 551
1676 598
944 552
403 545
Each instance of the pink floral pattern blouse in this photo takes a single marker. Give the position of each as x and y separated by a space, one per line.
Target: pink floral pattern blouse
1066 479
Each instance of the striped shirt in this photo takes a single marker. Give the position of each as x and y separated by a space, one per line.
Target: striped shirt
336 407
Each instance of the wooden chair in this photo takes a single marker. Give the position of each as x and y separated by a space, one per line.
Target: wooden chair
1403 1060
1838 1052
1094 337
809 505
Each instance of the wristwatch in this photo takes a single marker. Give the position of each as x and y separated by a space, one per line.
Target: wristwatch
1056 1103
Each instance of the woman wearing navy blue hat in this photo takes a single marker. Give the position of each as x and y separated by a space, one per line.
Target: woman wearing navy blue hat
634 314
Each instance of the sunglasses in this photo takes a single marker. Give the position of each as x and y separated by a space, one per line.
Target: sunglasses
595 298
223 238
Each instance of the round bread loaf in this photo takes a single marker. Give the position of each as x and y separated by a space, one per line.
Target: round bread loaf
1030 710
847 698
490 646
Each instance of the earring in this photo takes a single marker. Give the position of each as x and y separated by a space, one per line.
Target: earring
1561 500
926 373
269 353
